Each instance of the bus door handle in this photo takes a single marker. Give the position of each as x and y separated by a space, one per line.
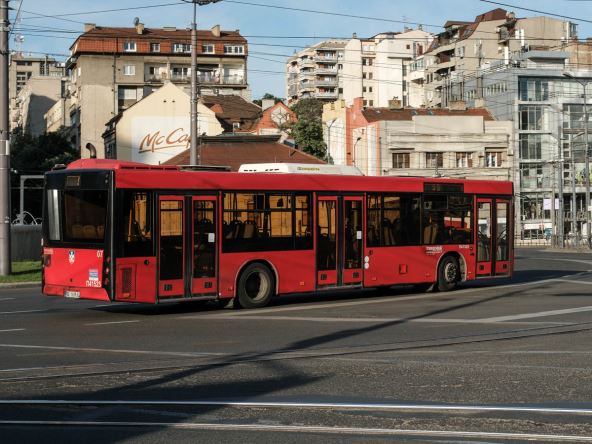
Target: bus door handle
146 262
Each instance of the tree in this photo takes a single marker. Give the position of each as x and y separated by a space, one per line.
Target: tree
36 155
267 96
308 130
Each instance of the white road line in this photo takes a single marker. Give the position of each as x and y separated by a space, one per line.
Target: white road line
311 405
113 322
311 429
21 311
570 281
12 329
7 299
107 350
539 314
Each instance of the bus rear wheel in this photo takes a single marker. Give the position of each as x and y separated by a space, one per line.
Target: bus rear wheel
448 274
255 286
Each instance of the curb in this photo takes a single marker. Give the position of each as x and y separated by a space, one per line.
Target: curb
20 285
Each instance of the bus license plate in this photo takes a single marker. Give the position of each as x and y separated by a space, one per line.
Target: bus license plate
72 294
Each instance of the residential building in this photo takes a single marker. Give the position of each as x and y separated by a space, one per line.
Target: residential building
316 72
157 128
234 113
456 142
20 70
465 47
34 99
374 68
113 68
235 150
334 119
276 119
547 112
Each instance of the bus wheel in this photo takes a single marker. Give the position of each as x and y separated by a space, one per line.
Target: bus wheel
448 274
255 286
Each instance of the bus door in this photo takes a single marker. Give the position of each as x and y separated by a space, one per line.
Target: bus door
171 247
339 241
493 240
203 245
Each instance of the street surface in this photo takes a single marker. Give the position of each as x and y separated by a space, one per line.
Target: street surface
496 361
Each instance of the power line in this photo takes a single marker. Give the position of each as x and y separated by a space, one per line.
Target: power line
538 11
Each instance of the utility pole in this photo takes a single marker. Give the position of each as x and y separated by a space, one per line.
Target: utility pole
5 265
194 152
561 223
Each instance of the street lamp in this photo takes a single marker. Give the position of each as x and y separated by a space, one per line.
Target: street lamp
194 154
584 83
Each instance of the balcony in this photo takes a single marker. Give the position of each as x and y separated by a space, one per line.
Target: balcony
327 95
307 86
232 80
330 71
307 63
326 58
329 83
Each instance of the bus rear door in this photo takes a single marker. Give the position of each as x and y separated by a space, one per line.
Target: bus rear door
493 237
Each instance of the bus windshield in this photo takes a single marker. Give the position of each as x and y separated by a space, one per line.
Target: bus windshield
77 216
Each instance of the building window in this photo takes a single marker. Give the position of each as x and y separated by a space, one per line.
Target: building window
365 103
574 116
363 89
401 160
154 47
370 89
129 70
530 146
371 102
181 47
531 117
494 159
533 89
364 75
129 46
370 76
234 49
366 61
464 160
181 72
208 48
434 160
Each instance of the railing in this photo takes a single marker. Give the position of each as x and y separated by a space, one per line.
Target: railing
326 83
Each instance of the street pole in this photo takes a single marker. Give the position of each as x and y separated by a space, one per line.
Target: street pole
586 166
194 151
561 223
195 158
5 265
574 205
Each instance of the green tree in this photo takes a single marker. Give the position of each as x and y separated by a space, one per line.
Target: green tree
308 130
267 96
36 155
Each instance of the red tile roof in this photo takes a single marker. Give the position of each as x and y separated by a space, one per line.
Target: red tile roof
378 114
161 33
233 151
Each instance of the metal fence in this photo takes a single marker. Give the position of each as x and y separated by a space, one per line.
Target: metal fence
577 242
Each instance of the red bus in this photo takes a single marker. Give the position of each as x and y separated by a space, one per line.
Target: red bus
122 231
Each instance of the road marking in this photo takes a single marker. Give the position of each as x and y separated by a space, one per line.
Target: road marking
21 311
311 429
310 405
113 322
539 314
12 329
569 281
7 299
107 350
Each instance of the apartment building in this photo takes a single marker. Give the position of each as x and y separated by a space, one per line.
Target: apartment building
465 47
20 70
316 72
547 111
113 68
374 68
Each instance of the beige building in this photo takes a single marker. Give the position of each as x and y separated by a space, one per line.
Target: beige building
374 68
34 99
157 128
334 119
316 72
20 70
464 49
113 68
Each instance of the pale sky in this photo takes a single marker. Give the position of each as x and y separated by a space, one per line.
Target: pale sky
273 33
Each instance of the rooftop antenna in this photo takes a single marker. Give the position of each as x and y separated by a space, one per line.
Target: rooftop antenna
136 21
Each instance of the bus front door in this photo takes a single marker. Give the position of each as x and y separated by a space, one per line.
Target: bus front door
493 237
171 247
203 246
339 241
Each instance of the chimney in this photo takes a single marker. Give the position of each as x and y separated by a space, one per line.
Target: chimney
355 35
89 26
216 31
457 105
140 28
267 103
395 103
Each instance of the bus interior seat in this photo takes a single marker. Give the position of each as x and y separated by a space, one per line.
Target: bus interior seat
249 229
430 233
77 231
101 231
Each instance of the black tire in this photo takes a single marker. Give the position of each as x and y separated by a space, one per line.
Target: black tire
255 286
448 274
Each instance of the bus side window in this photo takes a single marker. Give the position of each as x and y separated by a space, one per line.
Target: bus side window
137 224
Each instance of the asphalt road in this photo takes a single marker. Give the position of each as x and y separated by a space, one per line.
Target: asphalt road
496 361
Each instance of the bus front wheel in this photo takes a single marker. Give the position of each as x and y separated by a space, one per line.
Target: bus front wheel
448 274
255 286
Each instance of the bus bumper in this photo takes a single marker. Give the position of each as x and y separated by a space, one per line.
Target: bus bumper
95 294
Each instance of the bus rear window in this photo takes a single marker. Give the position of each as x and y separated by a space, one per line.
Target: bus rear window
84 216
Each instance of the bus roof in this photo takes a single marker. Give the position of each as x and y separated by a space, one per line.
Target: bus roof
299 168
142 176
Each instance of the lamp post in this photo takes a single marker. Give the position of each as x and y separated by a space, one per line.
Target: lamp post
194 154
329 125
584 83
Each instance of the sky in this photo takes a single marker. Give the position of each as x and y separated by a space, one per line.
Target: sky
273 33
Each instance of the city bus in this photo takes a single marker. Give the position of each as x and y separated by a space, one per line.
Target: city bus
128 232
